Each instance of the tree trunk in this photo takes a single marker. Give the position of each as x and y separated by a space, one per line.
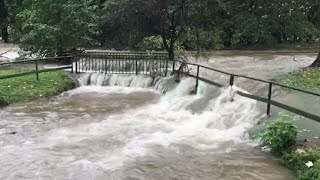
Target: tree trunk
171 53
316 63
5 34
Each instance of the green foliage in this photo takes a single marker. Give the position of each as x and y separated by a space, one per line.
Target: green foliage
52 27
279 135
3 14
202 39
3 101
310 174
27 88
215 24
297 162
155 43
152 43
306 78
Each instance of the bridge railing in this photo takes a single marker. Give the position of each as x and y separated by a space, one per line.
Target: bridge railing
122 63
268 99
146 63
35 66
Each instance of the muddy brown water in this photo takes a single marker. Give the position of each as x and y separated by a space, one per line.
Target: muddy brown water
103 133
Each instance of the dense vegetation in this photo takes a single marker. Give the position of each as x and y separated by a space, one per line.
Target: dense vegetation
165 24
27 88
281 136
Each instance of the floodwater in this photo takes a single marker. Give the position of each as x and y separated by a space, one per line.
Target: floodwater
101 133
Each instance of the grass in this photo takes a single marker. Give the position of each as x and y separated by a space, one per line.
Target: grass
307 78
27 88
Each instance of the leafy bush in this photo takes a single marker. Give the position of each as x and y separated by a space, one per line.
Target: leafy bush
152 43
309 174
297 161
279 135
155 43
3 101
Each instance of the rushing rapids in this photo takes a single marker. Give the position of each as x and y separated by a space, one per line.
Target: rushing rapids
129 129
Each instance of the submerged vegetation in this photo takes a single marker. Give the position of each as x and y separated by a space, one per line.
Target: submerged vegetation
281 137
308 78
27 88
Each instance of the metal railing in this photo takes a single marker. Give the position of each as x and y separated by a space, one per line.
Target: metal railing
267 99
33 66
122 63
152 63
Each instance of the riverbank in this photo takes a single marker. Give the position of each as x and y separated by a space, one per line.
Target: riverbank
307 78
27 88
302 157
281 137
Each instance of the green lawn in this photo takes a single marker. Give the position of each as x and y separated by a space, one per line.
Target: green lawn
306 78
27 88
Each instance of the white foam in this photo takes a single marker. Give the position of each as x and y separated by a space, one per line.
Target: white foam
166 123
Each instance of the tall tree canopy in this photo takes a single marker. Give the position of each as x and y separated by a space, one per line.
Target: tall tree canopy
160 24
4 20
168 19
56 26
210 23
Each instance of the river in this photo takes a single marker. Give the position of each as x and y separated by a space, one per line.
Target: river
136 132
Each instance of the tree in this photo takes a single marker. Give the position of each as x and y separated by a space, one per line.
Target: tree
4 21
315 18
55 27
169 19
14 7
272 21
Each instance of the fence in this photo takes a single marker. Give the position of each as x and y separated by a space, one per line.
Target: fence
32 66
122 63
152 63
267 99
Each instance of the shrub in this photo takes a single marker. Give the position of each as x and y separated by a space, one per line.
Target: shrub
3 101
297 161
279 135
155 43
309 174
152 43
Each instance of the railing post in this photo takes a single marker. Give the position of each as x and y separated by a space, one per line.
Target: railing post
72 60
76 58
197 80
231 80
173 67
37 70
269 99
105 66
136 66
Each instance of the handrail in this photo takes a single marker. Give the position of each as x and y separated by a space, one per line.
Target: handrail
252 78
35 59
268 100
37 71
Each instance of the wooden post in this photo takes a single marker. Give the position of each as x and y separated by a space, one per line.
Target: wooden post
197 80
37 70
269 99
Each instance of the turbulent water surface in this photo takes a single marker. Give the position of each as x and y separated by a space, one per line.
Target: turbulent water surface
129 129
